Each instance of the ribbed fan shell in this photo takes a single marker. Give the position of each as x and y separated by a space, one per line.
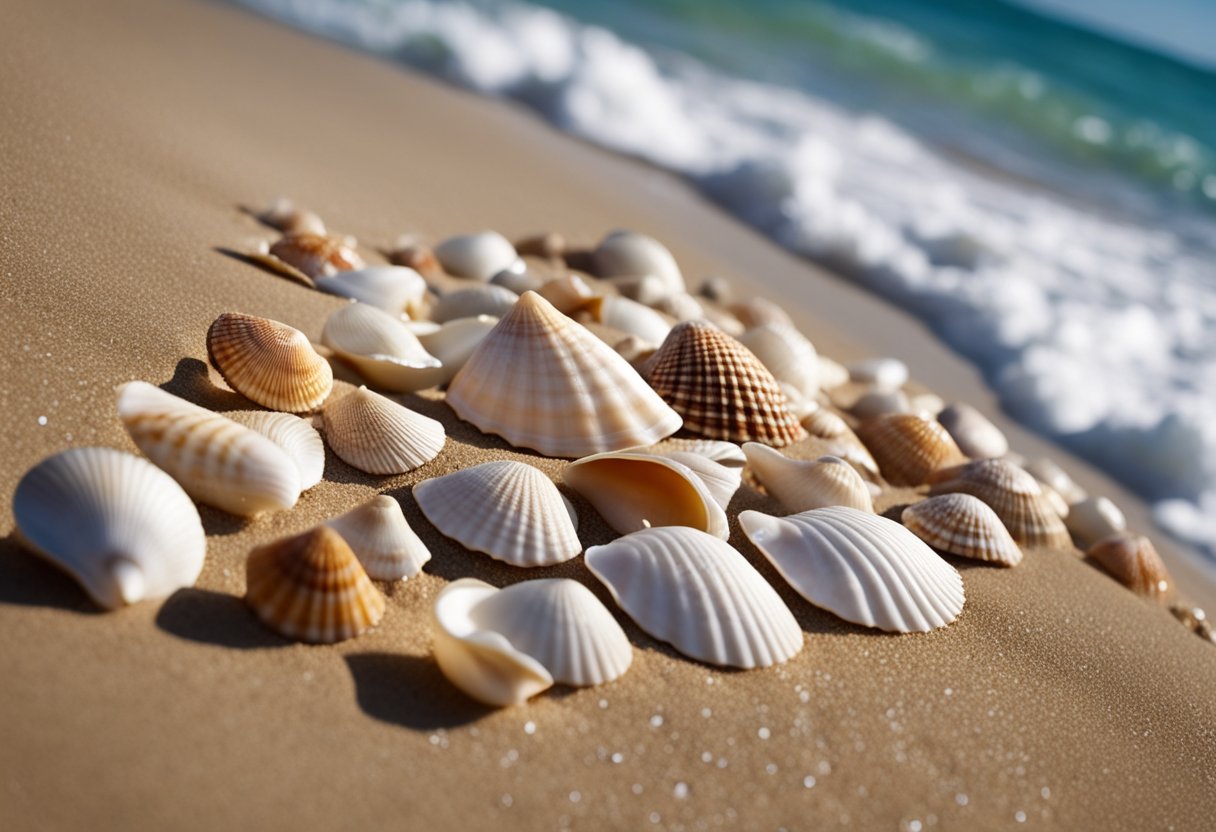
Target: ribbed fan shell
787 354
381 538
908 447
316 254
801 486
1132 560
391 288
269 363
379 436
477 300
1013 494
962 525
298 439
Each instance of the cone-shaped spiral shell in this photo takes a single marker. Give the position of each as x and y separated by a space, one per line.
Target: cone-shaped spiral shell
216 460
476 300
636 490
960 524
508 510
801 485
541 381
478 256
630 254
269 363
311 588
482 663
695 592
116 523
379 436
908 447
789 356
298 439
561 624
1013 494
972 431
720 389
392 288
864 568
722 481
381 538
317 255
1132 560
630 317
381 348
1093 519
454 342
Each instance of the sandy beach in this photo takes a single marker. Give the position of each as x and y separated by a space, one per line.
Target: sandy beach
134 132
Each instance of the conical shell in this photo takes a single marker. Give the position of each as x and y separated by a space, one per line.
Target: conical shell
381 538
882 373
269 363
568 294
561 624
720 389
635 490
478 256
116 523
317 255
1093 519
974 434
909 447
630 317
474 301
379 436
801 486
311 588
508 510
1132 560
757 311
481 662
962 525
630 254
864 568
541 381
395 289
298 439
695 592
454 343
216 461
1013 494
789 356
381 348
722 481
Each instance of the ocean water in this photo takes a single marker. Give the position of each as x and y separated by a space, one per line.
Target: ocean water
1042 195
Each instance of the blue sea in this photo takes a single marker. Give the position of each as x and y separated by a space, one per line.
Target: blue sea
1042 194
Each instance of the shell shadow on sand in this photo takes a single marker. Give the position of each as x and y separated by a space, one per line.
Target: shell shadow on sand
30 581
401 690
207 617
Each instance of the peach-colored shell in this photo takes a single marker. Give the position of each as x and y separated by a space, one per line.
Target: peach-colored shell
269 362
1013 494
376 434
1132 560
908 447
960 524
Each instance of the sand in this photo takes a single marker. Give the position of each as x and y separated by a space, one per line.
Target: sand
133 130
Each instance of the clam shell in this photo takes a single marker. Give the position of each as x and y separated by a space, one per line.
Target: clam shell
120 526
216 461
284 215
508 510
395 289
630 254
1132 560
962 525
379 436
630 317
1013 494
1093 519
381 348
864 568
454 342
874 403
789 356
311 588
758 311
542 381
381 538
909 447
634 490
681 306
474 301
1048 472
480 662
695 592
298 439
720 389
883 373
801 486
478 256
974 434
269 363
567 294
832 373
317 255
1053 497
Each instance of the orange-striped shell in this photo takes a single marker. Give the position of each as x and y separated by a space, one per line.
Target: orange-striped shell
317 255
1013 494
1132 560
312 588
720 388
962 525
908 447
269 363
376 434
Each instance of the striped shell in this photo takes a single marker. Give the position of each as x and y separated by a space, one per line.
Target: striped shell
381 348
789 356
395 289
269 363
694 591
908 447
116 523
800 485
864 568
316 255
1013 494
379 436
474 301
478 256
630 254
973 432
381 538
298 439
960 524
1132 560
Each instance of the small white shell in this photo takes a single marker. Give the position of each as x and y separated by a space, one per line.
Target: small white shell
1093 519
694 591
296 436
789 356
395 289
974 434
645 288
381 538
879 402
517 281
476 300
832 373
628 253
381 348
379 436
801 485
455 341
883 373
478 256
862 567
630 317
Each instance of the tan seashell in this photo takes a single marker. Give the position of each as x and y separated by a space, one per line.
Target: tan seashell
720 388
381 348
629 317
311 588
381 538
1093 519
681 306
801 486
1013 494
758 311
832 373
542 381
298 439
551 245
395 289
826 424
567 294
909 447
630 254
477 300
875 403
1048 471
317 254
411 254
1132 560
972 431
789 356
379 436
269 363
881 373
960 524
454 343
478 256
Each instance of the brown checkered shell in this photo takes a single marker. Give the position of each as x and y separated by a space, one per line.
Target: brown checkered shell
720 388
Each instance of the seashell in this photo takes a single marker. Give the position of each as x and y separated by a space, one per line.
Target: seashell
974 434
517 282
1013 494
478 256
629 317
681 306
284 215
630 254
826 424
469 303
789 356
864 568
722 481
724 321
633 490
295 436
317 255
874 403
720 388
567 294
269 363
882 373
411 254
455 341
801 486
379 436
381 538
1093 519
832 373
695 592
634 350
962 525
381 348
121 527
482 663
561 624
727 454
542 381
216 461
757 311
1057 502
551 245
1047 471
717 289
930 404
310 587
508 510
853 452
908 447
1132 560
420 328
395 289
645 289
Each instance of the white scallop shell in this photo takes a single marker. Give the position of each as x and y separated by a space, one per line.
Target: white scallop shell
1093 519
722 481
394 289
487 299
508 510
116 523
379 436
802 485
883 373
974 434
862 567
296 436
630 254
478 256
789 356
381 348
381 538
216 461
694 591
630 317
